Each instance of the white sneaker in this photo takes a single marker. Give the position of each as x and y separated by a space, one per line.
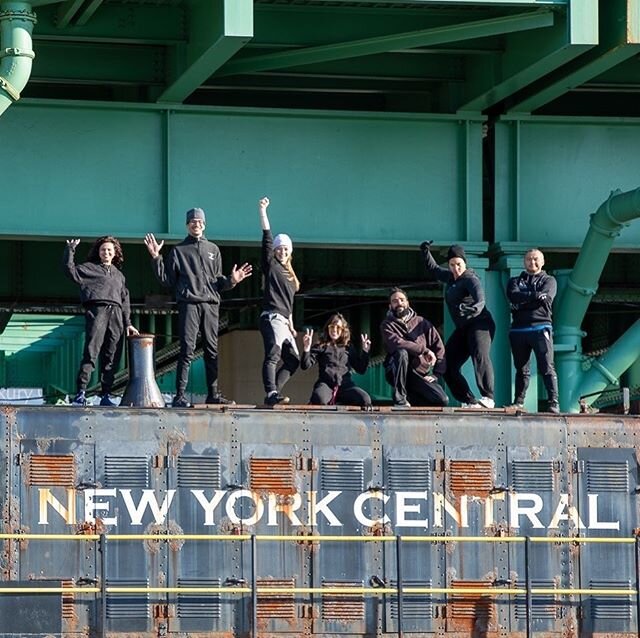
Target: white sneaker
474 405
486 402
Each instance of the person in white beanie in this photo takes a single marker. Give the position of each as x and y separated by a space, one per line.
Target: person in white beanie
276 320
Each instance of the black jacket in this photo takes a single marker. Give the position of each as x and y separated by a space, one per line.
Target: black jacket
194 269
335 363
279 289
99 284
531 298
464 296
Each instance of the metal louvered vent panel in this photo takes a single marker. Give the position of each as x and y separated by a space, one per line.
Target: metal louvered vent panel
68 602
276 604
272 475
544 606
607 476
409 474
471 607
199 471
52 469
529 476
414 606
338 474
126 471
127 605
200 604
613 607
474 478
343 607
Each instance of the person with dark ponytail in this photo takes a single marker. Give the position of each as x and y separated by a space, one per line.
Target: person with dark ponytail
276 320
107 313
474 326
336 357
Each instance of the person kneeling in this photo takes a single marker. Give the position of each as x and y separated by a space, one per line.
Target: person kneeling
336 358
415 358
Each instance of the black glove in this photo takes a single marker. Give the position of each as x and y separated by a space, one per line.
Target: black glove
466 310
425 245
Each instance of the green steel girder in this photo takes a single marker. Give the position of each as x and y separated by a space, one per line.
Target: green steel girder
218 30
385 44
99 63
619 40
118 23
527 60
66 11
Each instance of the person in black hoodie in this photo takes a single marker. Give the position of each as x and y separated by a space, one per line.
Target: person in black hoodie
276 319
193 269
474 327
336 357
107 312
531 295
415 355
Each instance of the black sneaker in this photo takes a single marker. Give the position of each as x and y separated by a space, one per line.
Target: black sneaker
106 402
218 399
80 399
179 401
403 403
554 407
275 398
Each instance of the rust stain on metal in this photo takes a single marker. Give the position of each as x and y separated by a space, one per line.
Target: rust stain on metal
51 469
277 604
69 614
472 478
272 475
175 544
87 529
153 546
343 606
471 612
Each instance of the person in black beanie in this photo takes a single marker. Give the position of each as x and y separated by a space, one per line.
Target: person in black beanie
474 327
193 269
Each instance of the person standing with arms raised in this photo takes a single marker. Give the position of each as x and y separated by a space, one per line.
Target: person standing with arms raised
276 318
193 269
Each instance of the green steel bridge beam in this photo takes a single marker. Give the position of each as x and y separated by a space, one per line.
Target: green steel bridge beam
384 44
16 52
605 226
218 30
546 51
619 40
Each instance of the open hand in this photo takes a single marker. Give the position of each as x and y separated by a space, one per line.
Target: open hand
238 274
152 245
73 243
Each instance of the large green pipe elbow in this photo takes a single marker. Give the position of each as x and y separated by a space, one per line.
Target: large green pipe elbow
604 227
16 52
606 370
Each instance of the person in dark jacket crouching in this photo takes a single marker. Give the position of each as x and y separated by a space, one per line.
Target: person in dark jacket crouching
474 326
531 295
107 313
415 358
193 269
336 357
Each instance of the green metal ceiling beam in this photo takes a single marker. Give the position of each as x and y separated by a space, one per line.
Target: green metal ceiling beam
66 12
117 23
88 12
619 41
97 63
218 30
384 44
526 62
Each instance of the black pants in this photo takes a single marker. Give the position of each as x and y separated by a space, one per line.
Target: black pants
272 378
348 394
541 343
473 340
408 385
103 341
194 318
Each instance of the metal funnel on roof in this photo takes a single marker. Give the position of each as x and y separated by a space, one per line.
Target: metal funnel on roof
142 390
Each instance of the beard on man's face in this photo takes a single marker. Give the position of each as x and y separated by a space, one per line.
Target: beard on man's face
400 312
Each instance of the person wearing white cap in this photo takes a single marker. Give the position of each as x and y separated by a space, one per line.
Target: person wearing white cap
276 320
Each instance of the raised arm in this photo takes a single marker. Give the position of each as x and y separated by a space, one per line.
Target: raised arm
69 264
435 271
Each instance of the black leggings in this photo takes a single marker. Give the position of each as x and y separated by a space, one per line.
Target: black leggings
347 395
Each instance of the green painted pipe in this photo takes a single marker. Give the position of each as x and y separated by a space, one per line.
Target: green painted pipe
605 226
16 52
606 370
